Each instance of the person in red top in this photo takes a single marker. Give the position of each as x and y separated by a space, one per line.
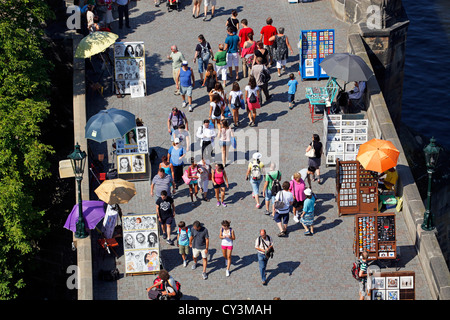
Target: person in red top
243 36
266 32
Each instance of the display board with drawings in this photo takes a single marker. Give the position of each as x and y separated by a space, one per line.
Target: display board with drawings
129 67
132 155
141 243
343 137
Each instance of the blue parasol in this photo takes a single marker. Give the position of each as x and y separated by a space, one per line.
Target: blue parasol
109 124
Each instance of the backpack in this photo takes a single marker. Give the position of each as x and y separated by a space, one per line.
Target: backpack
276 186
256 171
204 54
264 76
217 112
186 231
252 98
162 287
356 267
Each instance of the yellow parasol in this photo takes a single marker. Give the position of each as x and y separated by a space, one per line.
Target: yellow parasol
95 43
116 191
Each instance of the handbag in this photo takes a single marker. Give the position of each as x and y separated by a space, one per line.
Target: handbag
279 204
154 294
242 104
186 177
311 153
233 142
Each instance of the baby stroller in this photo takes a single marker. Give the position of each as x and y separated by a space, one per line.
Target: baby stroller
173 4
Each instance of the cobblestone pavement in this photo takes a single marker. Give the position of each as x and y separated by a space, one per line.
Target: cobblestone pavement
316 267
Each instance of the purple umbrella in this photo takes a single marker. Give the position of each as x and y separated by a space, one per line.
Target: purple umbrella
93 212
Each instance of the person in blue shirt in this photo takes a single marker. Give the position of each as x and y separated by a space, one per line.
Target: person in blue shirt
307 217
232 48
292 84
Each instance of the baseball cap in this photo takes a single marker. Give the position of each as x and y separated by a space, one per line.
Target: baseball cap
308 191
184 63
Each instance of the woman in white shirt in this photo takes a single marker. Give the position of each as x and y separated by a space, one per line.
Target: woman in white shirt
227 235
216 109
235 95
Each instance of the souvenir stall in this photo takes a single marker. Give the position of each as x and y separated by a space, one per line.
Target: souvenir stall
132 155
141 244
129 68
314 46
398 285
375 233
356 188
344 135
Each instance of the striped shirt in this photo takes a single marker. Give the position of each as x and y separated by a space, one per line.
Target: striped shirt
161 184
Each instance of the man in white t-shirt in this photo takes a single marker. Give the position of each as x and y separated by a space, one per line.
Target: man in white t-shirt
281 214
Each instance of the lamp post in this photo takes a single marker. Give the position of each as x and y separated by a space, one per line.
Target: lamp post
77 159
431 156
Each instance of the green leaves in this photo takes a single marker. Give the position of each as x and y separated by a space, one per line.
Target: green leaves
24 85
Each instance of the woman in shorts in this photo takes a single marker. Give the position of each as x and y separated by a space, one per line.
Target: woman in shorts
220 180
216 108
225 135
227 235
235 95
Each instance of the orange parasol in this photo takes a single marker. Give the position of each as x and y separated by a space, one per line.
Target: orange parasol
378 155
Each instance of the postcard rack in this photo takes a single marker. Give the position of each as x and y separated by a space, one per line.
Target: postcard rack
356 188
376 234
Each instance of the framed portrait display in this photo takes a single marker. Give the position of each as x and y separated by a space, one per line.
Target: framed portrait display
123 164
142 139
141 244
131 163
129 68
132 158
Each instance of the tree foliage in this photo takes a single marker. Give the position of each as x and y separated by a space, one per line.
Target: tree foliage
24 85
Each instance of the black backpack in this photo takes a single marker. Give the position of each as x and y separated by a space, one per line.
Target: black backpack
217 110
276 186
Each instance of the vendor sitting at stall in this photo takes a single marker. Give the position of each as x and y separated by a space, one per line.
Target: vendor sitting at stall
356 93
388 179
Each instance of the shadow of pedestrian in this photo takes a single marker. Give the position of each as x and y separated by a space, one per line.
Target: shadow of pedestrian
242 262
283 267
326 226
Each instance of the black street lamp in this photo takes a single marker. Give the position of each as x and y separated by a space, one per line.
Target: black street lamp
431 156
78 161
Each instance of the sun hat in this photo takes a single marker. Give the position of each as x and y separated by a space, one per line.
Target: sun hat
257 156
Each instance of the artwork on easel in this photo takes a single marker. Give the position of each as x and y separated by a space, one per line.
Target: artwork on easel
140 243
129 71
